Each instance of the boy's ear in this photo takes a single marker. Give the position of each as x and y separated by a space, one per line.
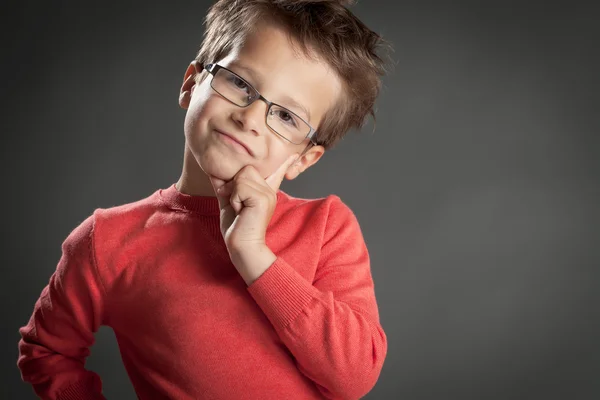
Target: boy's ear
306 161
189 84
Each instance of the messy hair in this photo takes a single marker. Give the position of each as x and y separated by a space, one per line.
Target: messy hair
324 27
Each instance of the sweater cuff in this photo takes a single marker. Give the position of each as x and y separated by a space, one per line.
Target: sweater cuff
282 293
88 389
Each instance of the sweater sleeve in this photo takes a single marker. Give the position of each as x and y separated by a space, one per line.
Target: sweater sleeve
55 342
331 326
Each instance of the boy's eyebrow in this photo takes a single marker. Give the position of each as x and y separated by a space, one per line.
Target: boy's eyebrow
249 70
294 103
285 98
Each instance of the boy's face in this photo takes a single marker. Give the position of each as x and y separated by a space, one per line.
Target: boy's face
281 74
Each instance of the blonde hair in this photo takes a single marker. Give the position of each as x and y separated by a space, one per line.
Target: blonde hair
326 27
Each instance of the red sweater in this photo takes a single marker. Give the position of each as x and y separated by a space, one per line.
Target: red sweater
188 327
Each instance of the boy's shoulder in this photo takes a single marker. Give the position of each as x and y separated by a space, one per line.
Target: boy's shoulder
136 208
289 201
330 208
122 219
118 221
327 219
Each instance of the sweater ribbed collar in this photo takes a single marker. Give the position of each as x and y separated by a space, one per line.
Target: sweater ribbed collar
203 205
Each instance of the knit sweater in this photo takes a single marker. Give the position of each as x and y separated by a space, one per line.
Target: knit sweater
157 272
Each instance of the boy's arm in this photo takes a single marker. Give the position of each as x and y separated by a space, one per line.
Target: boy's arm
55 342
331 325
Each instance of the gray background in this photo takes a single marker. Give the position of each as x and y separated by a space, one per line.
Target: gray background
478 192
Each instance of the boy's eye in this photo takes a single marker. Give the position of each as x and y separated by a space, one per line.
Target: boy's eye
286 117
239 83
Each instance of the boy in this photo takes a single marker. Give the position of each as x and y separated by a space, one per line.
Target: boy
222 286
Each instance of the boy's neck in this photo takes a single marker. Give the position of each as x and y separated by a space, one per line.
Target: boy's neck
193 181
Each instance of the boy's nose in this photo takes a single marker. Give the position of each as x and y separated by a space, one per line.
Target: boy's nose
253 117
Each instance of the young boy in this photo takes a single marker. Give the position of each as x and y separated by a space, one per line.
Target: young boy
222 286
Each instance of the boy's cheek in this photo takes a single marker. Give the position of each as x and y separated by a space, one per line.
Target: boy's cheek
268 166
198 117
201 102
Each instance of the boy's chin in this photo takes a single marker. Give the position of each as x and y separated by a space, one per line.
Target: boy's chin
220 168
223 166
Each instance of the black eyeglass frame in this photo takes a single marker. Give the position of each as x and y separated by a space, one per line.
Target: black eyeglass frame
214 68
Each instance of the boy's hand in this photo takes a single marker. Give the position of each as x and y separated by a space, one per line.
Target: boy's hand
247 204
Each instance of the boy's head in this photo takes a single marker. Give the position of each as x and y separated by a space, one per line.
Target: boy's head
281 77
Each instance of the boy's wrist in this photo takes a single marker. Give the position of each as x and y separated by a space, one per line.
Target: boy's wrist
252 261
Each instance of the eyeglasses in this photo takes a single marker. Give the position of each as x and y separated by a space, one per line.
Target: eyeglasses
282 121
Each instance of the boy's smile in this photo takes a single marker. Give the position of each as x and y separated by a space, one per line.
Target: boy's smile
234 143
222 137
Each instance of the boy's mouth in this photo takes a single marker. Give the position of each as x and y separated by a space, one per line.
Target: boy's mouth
234 142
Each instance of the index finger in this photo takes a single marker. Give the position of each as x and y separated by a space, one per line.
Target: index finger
274 180
217 184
